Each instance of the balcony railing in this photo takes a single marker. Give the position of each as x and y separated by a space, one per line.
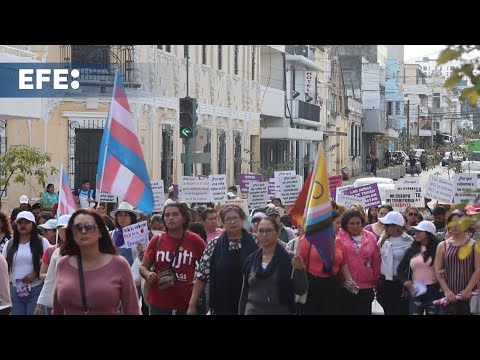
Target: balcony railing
307 111
297 50
97 63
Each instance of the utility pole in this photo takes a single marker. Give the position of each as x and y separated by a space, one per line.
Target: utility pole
408 127
431 124
418 126
187 166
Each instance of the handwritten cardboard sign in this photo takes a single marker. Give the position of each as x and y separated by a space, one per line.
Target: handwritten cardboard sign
439 188
461 184
135 234
158 195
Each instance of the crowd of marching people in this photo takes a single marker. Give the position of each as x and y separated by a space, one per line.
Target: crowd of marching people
220 260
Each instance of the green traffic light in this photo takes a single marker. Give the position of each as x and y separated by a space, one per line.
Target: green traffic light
186 132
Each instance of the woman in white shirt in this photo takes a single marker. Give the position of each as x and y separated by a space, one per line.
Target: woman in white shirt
24 253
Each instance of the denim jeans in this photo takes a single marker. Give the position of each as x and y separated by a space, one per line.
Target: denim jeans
24 306
47 310
423 303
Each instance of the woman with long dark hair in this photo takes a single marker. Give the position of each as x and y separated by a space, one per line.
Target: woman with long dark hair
92 279
24 254
416 270
377 228
6 230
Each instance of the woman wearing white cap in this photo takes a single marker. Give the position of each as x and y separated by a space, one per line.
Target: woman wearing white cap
417 273
24 253
45 300
393 244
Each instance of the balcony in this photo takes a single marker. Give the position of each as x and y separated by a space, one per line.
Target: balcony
97 63
307 111
374 121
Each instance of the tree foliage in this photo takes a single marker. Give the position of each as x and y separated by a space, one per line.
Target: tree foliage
470 67
20 162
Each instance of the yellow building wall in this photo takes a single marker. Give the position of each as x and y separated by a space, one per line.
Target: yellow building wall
225 95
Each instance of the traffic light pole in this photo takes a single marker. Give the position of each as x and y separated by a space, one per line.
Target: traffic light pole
187 167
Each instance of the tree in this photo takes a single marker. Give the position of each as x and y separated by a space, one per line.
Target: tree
18 162
470 68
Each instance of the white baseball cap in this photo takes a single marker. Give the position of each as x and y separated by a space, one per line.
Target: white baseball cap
426 226
24 199
62 221
393 217
49 225
27 215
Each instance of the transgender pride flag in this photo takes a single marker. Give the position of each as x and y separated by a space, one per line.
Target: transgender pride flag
121 168
66 202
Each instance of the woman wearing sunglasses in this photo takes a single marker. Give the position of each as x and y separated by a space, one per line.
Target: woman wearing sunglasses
92 279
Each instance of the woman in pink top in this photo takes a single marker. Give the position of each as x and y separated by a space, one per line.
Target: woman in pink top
362 256
416 269
92 279
210 222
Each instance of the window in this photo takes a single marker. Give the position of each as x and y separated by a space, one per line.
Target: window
222 152
185 51
389 108
436 100
424 68
397 108
204 54
237 152
235 62
168 48
219 57
352 139
160 47
254 49
96 56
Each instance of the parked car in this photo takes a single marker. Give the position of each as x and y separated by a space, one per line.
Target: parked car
451 155
382 183
471 167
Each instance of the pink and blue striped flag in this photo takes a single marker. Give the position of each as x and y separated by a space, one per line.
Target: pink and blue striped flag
66 201
121 167
318 214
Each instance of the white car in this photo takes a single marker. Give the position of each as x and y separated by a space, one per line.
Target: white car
382 183
471 167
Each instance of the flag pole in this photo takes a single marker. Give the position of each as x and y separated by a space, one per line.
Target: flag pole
312 183
107 128
59 202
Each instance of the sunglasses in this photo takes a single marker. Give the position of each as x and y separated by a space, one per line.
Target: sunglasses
89 227
413 214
